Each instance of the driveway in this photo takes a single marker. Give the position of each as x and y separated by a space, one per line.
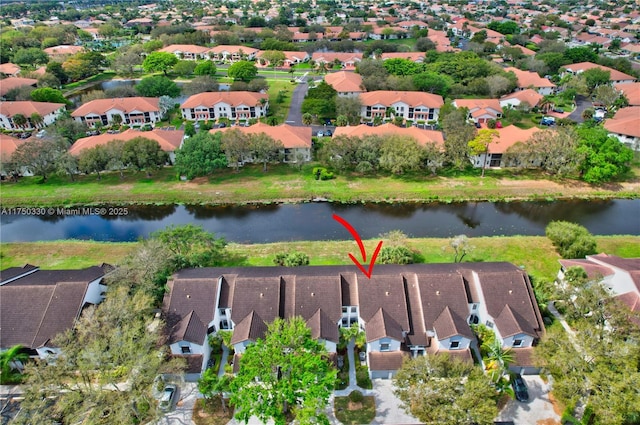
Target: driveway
582 103
183 411
295 113
538 410
388 406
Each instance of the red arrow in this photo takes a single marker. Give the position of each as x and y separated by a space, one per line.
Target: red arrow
363 252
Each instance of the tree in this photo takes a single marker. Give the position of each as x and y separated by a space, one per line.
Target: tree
143 154
205 68
606 95
191 246
106 367
236 146
461 247
126 63
554 151
39 156
36 120
242 70
580 54
291 259
210 383
480 144
596 77
184 68
200 84
605 157
400 154
30 56
275 58
499 85
571 240
19 120
157 86
67 164
438 389
400 66
94 159
200 155
264 149
479 37
396 255
11 364
458 133
159 61
286 371
432 82
47 94
57 70
307 118
350 108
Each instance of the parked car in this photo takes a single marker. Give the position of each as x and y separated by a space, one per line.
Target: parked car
340 362
167 397
362 355
320 134
548 121
558 110
519 388
328 133
25 135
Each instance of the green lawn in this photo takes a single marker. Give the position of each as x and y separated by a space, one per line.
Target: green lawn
280 110
534 253
288 184
363 415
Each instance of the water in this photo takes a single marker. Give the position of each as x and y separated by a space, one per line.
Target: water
313 221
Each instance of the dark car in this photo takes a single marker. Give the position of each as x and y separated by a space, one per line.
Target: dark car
328 133
520 388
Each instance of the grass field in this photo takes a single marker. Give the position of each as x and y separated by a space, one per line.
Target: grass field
284 183
535 254
280 110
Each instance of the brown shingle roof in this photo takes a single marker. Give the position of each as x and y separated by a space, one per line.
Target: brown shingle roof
190 328
383 290
382 325
250 328
125 104
440 290
233 98
322 327
313 293
190 291
169 140
391 360
449 324
14 272
511 323
259 294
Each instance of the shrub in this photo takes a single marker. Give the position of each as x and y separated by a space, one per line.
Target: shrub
356 397
570 239
396 255
321 173
362 378
291 259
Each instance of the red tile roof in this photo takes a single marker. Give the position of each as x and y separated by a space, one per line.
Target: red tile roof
421 136
27 107
529 79
631 91
626 121
290 136
509 136
169 140
11 83
8 145
124 104
345 81
615 75
9 68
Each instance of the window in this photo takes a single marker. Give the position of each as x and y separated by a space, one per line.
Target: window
454 345
344 309
489 324
517 343
475 307
186 349
384 346
354 309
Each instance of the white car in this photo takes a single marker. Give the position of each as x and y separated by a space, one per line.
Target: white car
167 396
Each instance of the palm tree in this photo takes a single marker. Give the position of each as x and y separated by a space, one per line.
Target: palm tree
307 118
11 363
36 119
499 358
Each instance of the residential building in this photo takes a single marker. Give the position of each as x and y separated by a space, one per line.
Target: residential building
403 310
423 137
417 57
296 141
47 113
508 136
8 146
345 60
616 77
523 99
9 69
480 110
235 105
169 140
531 80
226 53
631 91
291 58
133 111
411 105
619 275
346 83
625 126
40 304
189 52
8 84
62 52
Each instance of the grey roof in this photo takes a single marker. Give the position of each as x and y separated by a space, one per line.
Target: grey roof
13 272
52 277
311 293
440 290
259 294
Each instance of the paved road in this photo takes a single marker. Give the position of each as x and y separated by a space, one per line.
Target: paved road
295 113
582 103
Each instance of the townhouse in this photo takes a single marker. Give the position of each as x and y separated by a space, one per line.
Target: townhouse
410 105
423 137
40 304
133 111
403 310
169 140
346 60
36 114
524 99
11 83
507 137
625 126
531 80
480 110
616 77
189 52
232 53
346 83
235 105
